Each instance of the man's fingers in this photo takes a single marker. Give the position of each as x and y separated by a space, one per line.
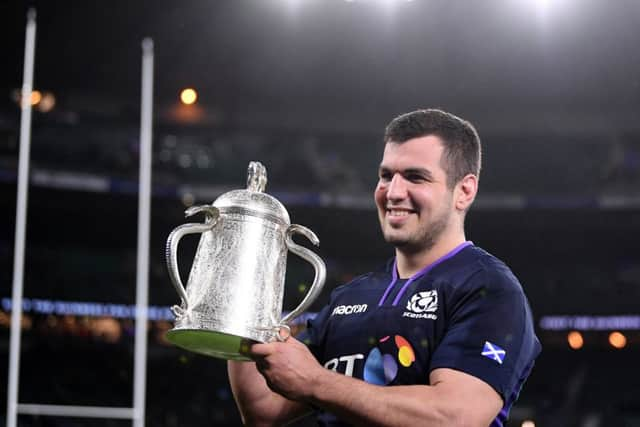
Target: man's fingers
261 350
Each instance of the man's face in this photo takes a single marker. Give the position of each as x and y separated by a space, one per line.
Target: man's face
415 206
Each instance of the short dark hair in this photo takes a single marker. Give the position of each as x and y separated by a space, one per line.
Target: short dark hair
462 149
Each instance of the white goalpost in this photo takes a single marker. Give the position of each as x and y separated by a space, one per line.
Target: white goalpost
137 412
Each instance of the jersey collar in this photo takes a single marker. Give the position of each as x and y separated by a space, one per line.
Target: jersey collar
422 272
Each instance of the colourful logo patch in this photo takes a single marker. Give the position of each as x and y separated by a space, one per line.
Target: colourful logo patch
381 367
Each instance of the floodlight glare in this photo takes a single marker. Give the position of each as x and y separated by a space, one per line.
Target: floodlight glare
47 102
617 339
575 340
188 96
542 5
36 97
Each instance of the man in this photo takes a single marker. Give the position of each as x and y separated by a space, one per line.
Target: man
441 336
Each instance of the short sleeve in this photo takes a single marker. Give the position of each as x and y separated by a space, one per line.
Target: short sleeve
489 333
313 335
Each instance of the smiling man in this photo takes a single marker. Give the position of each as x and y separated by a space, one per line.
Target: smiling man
442 335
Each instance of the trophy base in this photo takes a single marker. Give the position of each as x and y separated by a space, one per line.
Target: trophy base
210 343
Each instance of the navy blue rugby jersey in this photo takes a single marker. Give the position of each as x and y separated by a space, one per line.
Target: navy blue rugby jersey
466 311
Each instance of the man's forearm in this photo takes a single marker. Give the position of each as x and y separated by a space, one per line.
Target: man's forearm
258 405
361 403
365 404
454 398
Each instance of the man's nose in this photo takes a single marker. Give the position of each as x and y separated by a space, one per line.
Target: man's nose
397 189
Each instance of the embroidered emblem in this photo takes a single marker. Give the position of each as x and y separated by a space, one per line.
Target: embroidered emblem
422 305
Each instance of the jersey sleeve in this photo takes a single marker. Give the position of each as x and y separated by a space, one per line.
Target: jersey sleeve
489 333
313 335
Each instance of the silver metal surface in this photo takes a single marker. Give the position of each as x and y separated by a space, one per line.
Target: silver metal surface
236 284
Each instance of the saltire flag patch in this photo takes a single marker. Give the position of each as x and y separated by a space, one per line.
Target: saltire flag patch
493 352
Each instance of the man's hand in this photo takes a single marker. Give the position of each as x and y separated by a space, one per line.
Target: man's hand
288 367
286 381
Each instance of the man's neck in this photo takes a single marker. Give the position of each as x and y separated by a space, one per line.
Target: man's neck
409 262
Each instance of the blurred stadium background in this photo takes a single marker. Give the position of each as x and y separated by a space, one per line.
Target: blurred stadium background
306 87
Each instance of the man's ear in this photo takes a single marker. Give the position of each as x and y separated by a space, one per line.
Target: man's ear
465 192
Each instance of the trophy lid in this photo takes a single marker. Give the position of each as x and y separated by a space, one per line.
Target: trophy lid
253 201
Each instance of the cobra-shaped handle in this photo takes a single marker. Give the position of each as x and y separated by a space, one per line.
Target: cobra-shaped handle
318 265
171 253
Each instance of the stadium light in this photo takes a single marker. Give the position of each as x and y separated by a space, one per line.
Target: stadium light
188 96
36 97
383 2
575 340
617 340
47 102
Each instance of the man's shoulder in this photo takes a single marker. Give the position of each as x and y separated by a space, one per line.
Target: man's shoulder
372 279
479 268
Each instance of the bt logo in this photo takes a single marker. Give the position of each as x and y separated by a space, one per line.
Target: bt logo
381 368
350 361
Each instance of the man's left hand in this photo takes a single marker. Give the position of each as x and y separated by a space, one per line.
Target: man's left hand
288 367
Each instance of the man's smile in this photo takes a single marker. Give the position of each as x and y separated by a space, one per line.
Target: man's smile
399 211
398 216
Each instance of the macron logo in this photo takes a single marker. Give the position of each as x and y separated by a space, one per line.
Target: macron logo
349 309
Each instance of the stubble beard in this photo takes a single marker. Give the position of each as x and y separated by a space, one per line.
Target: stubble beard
424 238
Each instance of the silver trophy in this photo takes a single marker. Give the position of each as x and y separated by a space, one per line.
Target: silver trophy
236 284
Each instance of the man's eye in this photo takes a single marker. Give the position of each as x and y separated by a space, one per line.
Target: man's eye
384 176
416 178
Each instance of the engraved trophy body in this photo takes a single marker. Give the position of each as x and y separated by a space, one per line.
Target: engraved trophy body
236 284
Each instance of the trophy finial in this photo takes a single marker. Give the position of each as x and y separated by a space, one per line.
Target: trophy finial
256 177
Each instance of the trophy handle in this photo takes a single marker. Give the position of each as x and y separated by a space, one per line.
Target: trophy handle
318 265
171 253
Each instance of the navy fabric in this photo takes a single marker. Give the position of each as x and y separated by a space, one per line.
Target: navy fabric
468 313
